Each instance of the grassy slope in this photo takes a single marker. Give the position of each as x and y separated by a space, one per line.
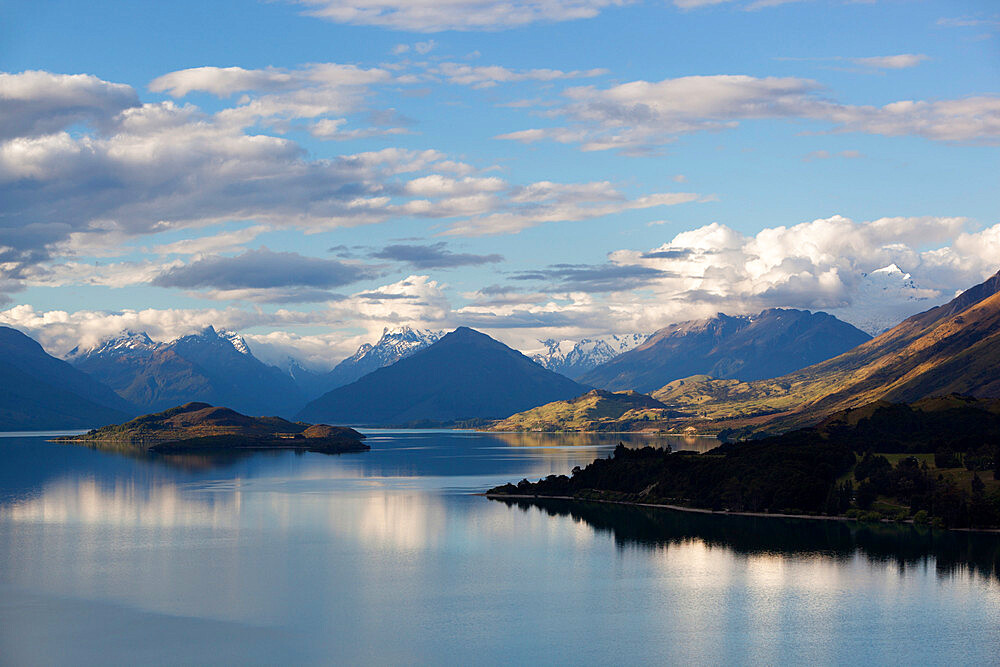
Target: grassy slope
589 412
937 352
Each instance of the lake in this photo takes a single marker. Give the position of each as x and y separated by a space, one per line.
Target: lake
386 557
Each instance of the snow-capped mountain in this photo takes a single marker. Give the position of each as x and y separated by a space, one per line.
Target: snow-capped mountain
125 343
769 344
573 358
212 366
238 342
884 298
395 344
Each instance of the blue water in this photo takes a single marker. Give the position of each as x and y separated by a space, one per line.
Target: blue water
385 557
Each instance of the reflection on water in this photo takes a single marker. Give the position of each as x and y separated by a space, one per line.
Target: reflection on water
693 443
903 545
385 557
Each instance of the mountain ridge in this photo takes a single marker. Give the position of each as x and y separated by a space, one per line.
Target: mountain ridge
464 375
952 348
573 358
214 366
745 347
39 391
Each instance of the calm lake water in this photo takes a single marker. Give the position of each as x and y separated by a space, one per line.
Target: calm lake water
385 557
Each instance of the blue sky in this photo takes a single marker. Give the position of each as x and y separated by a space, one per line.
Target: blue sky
310 172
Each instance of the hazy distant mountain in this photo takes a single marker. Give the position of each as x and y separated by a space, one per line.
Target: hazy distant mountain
395 344
464 375
884 298
751 347
38 391
574 358
211 366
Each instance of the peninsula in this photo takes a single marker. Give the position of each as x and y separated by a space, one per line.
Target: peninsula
200 427
934 461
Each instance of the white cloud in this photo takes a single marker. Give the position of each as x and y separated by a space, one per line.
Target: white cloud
640 115
826 155
487 76
60 331
159 167
697 4
901 61
424 48
114 274
226 81
816 264
37 103
436 16
545 202
221 242
415 300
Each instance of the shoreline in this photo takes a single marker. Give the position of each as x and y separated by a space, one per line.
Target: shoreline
651 433
699 510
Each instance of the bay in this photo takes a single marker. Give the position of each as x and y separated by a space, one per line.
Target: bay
387 557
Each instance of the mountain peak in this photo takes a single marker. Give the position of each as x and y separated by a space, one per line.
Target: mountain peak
573 358
238 342
891 270
126 342
744 347
464 375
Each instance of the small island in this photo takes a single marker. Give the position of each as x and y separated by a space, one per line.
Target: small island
200 427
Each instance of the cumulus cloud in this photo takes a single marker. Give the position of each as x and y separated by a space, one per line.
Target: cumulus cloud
424 305
639 115
435 16
818 265
39 103
60 331
162 166
433 256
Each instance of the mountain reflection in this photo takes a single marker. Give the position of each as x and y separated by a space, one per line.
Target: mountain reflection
907 546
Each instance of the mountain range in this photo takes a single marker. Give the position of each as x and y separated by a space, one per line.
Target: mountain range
38 391
464 375
949 349
211 366
573 358
779 369
751 347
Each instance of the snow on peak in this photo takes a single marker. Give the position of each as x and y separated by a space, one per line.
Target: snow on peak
885 297
397 343
575 357
891 270
237 341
